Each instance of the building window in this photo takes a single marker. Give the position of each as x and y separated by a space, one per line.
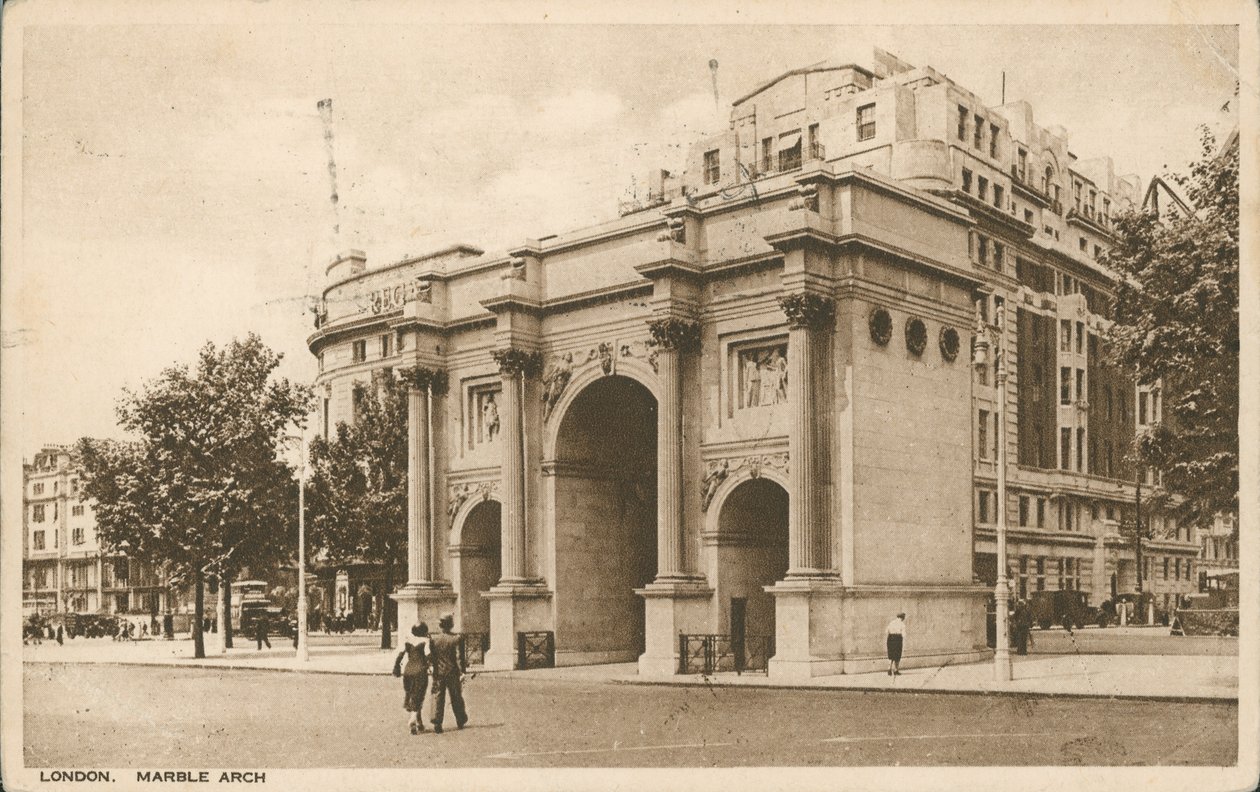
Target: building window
712 167
1022 577
321 361
1023 511
962 122
998 195
978 130
982 188
1141 409
966 186
1165 567
37 539
1106 212
1076 196
815 147
76 511
1028 216
76 536
1041 574
767 153
998 255
38 488
1080 449
983 425
37 513
866 122
1021 165
1065 335
1041 512
1091 203
1065 449
1177 569
790 151
1071 574
1080 338
1080 385
983 510
387 345
1065 386
993 141
983 245
358 351
1083 244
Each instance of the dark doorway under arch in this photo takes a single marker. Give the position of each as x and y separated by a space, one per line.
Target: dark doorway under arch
752 552
479 564
605 520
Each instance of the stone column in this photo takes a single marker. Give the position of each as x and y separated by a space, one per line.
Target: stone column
419 529
424 598
808 314
514 366
677 600
520 600
674 338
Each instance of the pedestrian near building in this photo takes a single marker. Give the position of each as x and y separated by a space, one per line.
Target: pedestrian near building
896 641
447 675
1022 622
415 675
260 632
60 636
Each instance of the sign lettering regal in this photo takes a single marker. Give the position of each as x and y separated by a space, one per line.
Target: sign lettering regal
392 298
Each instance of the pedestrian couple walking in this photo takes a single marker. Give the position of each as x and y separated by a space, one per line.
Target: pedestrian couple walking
439 654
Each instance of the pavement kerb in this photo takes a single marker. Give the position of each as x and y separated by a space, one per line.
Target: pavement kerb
696 683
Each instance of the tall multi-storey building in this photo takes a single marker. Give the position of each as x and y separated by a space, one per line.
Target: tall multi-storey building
64 567
747 405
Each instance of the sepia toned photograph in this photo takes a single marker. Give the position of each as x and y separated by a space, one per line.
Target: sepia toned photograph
524 397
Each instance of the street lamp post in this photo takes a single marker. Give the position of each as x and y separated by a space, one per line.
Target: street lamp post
303 654
1002 590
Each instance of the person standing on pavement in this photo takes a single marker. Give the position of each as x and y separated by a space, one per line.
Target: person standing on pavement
447 676
1023 627
896 640
260 632
415 676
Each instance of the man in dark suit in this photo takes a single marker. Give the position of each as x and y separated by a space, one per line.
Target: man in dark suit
447 674
260 631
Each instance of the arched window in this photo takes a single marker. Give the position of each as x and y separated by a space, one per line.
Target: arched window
1045 184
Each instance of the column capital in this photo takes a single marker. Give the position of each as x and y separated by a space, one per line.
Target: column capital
808 309
424 378
674 333
513 361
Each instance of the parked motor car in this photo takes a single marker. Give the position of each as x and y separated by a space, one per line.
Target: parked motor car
1048 608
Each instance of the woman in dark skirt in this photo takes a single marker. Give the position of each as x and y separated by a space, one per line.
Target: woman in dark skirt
896 638
415 675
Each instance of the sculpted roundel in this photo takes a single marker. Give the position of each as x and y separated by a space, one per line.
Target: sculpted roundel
916 336
881 326
949 343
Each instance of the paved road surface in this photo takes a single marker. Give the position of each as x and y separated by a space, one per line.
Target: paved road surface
106 716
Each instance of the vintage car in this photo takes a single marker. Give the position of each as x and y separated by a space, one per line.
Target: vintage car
1067 608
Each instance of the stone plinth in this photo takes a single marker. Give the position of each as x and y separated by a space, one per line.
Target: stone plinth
421 602
825 628
515 607
669 609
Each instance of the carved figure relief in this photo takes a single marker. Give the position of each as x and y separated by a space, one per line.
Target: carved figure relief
554 382
459 494
719 470
763 376
606 360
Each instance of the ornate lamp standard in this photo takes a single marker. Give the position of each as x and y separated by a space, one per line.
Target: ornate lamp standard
1001 591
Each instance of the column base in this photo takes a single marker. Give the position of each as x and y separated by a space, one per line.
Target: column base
515 606
421 602
671 606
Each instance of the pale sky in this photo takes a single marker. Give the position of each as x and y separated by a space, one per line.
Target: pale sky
175 179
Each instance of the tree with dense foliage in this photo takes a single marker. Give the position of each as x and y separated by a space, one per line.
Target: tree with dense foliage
1176 327
201 486
357 490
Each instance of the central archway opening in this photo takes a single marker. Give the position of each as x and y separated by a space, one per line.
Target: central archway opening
605 521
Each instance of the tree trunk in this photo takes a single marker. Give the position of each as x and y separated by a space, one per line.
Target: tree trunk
389 587
226 627
199 611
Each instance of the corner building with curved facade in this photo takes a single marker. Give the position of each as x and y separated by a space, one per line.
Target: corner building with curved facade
745 406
